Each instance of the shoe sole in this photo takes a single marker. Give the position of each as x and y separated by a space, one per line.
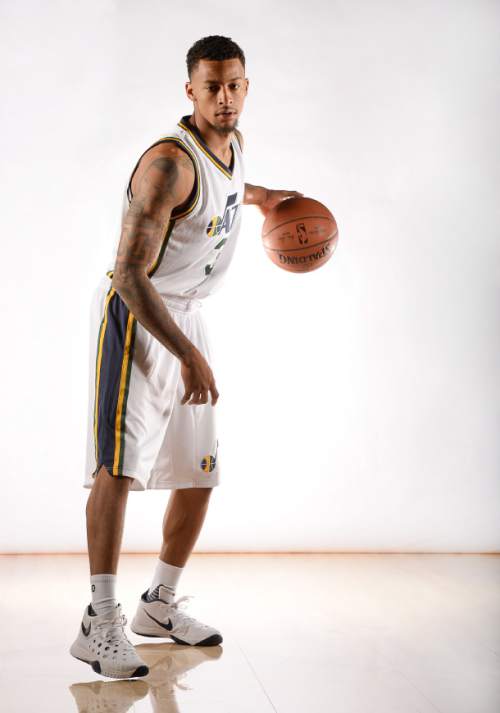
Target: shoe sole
96 666
212 640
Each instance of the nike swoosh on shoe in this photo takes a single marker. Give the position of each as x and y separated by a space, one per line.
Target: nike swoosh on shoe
168 626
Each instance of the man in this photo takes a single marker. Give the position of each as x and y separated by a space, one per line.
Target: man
150 422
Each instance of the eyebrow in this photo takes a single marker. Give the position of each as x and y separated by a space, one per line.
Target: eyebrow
216 81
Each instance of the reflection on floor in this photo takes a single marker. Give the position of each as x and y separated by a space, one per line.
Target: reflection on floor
168 665
318 633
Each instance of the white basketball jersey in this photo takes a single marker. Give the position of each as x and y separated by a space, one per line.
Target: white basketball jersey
200 239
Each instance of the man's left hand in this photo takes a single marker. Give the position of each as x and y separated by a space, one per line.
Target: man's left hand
273 197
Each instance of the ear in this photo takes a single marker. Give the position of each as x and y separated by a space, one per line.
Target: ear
189 90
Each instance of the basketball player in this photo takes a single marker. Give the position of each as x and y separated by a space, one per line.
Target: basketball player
151 424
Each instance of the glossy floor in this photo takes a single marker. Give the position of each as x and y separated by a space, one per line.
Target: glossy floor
316 633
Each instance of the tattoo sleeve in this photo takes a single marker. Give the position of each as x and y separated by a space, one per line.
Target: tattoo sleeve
142 233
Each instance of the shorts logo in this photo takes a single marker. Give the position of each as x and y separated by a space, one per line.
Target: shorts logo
209 462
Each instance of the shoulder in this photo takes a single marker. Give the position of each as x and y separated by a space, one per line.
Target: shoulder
168 164
239 136
170 150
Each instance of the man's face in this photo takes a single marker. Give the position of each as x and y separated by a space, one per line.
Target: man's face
218 89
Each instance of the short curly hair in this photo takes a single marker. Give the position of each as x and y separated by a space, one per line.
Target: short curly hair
213 47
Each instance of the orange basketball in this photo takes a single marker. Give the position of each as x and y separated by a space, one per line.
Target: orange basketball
299 234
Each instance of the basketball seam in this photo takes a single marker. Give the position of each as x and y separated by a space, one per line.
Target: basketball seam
298 220
302 247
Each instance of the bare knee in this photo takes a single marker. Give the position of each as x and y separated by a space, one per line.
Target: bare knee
105 485
197 495
203 493
185 502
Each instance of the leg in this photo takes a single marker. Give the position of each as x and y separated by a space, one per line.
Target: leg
182 523
101 641
105 518
159 615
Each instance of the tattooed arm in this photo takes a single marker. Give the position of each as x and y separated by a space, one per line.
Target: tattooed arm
163 180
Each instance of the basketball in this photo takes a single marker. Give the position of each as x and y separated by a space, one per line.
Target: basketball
299 234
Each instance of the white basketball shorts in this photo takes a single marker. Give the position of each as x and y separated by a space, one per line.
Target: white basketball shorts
137 426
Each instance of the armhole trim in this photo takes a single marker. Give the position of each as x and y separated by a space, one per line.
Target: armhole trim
184 209
151 271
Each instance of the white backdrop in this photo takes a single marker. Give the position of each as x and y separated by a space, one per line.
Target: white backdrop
359 403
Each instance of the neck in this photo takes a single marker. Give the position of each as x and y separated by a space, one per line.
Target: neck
216 139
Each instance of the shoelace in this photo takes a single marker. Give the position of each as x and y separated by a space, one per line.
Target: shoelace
186 619
116 625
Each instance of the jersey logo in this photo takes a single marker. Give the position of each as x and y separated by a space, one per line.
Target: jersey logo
223 223
220 225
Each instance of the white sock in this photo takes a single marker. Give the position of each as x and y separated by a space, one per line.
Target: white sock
102 587
167 575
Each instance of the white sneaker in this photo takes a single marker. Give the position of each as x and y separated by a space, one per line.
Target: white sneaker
115 696
103 644
158 618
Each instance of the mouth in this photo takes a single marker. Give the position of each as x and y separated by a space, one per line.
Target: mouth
226 114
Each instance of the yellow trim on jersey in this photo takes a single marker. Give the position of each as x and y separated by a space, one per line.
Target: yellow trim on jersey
218 162
163 247
151 270
168 231
121 394
190 152
194 202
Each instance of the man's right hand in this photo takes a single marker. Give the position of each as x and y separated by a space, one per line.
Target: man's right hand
198 379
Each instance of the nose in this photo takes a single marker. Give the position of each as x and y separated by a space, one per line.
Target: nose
224 97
